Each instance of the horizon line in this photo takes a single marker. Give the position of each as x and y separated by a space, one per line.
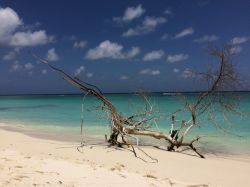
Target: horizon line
147 92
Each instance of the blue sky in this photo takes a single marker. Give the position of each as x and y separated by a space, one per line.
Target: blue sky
120 46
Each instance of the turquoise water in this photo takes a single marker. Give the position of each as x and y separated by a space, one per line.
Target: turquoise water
60 114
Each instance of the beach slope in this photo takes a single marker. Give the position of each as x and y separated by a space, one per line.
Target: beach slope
29 161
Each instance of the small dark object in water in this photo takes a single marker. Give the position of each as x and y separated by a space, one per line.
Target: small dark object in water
174 132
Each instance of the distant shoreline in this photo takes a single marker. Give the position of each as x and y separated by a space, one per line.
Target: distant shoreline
74 136
122 93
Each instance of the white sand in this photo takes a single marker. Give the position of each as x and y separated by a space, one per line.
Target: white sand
27 161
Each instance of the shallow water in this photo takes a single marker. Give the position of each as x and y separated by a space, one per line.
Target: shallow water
61 115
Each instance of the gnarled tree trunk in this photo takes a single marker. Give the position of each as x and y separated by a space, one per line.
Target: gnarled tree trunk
124 127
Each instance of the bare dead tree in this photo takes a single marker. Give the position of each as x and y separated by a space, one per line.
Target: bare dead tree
124 127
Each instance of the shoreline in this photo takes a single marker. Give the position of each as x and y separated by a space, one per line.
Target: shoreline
25 158
100 140
48 135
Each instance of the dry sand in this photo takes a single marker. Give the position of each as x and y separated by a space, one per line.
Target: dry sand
28 161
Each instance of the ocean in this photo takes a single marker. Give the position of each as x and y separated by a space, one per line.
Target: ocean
59 116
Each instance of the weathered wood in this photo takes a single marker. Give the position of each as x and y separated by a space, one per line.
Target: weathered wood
124 126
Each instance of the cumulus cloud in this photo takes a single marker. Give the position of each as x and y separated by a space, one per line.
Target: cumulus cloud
153 55
167 12
177 57
176 70
206 38
124 77
145 71
80 44
29 38
107 49
10 36
236 49
79 71
10 56
130 14
16 66
239 40
149 71
185 32
155 72
89 75
10 21
148 25
134 51
28 66
187 73
52 55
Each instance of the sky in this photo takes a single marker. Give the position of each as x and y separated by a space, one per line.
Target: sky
119 46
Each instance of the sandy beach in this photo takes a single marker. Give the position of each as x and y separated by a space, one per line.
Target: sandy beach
29 161
124 93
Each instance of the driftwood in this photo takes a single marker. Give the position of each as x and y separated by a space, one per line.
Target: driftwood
125 127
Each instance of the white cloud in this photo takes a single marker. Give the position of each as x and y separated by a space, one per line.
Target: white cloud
32 26
10 56
134 51
16 66
167 12
79 71
131 32
148 25
188 73
80 44
10 21
107 49
155 72
29 38
44 71
176 70
207 38
52 55
9 36
145 71
28 66
153 55
130 14
185 32
177 57
89 75
236 49
124 77
239 40
149 71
